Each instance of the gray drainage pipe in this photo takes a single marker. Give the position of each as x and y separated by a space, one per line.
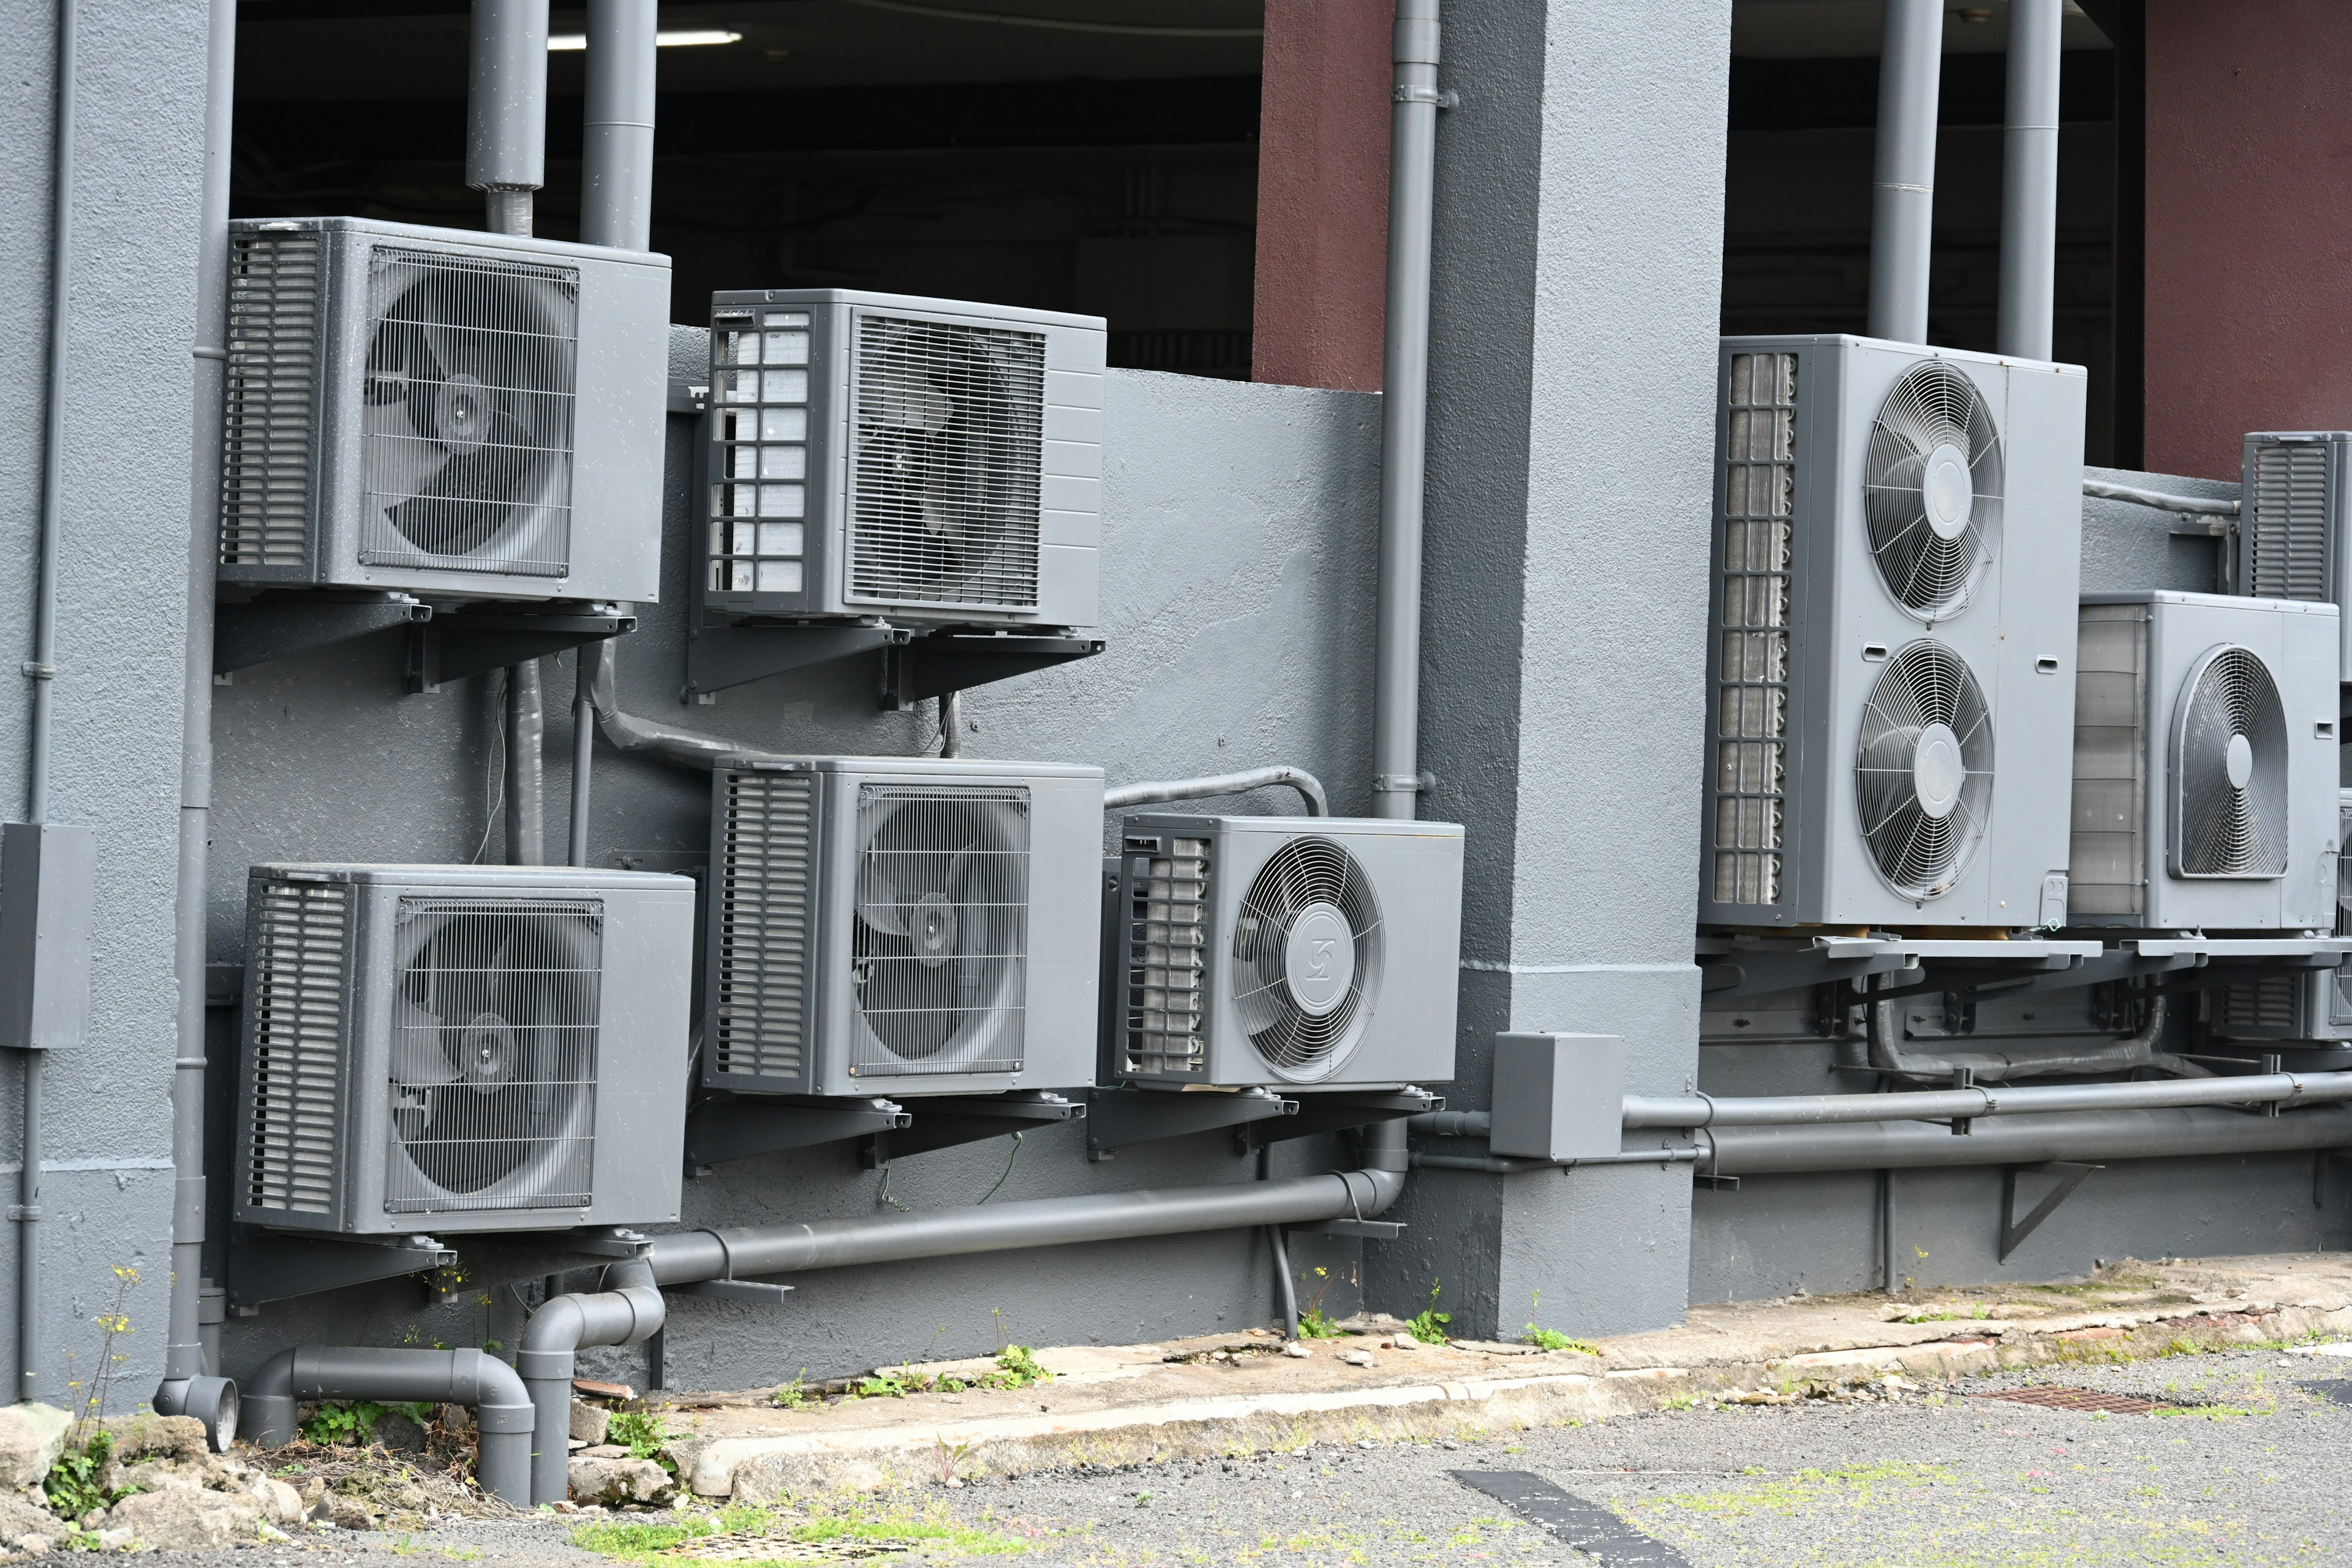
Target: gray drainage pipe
190 1387
1994 1102
1903 198
686 749
2018 1140
502 1411
1309 786
628 1311
2029 179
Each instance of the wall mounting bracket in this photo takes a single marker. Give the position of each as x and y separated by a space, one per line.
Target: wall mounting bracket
941 662
722 1129
732 653
757 1292
1342 1108
279 626
2014 1230
952 1119
448 648
1368 1229
271 1266
1118 1117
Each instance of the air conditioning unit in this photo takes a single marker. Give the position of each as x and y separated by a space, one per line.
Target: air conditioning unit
462 1047
1305 952
925 461
1890 673
2292 539
2205 790
901 925
444 412
2301 1004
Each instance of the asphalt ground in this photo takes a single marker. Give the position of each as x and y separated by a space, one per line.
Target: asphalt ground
2250 1465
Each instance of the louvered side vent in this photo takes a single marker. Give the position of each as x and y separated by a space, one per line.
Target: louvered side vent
2106 856
297 994
946 453
2286 532
2261 1008
1167 957
1752 699
759 1004
269 414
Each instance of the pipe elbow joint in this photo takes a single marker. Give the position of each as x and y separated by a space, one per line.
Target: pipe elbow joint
268 1414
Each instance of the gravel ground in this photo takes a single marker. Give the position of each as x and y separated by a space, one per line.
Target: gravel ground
2255 1466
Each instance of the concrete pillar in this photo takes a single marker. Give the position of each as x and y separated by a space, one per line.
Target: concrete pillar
2249 252
1579 241
1322 193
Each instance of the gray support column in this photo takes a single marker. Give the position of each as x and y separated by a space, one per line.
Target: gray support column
1903 195
2029 179
1578 222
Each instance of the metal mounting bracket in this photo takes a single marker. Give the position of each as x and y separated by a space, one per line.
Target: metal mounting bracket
449 648
2013 1231
1119 1117
1370 1230
722 1129
259 631
734 653
752 1290
953 1118
271 1266
1344 1108
941 662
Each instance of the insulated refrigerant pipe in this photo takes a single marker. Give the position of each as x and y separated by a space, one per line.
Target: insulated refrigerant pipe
1309 788
1405 413
190 1385
2018 1140
2029 179
1903 195
2191 506
629 1311
502 1410
1986 1101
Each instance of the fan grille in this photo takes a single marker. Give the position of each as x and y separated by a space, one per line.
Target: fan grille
294 1082
1932 489
2228 770
269 404
1299 1032
493 1080
947 453
759 1002
472 367
1923 770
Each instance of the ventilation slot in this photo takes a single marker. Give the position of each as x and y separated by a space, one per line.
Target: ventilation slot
2286 534
2107 861
1752 681
760 993
1166 961
295 1092
947 450
268 411
2259 1009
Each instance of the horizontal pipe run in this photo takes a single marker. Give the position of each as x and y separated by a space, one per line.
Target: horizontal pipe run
1452 1123
2191 506
1967 1104
502 1410
1309 787
2145 1134
1509 1164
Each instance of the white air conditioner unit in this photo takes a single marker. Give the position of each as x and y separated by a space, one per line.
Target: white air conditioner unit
462 1047
901 925
438 411
1302 951
1890 670
2295 498
2300 1003
925 461
2205 763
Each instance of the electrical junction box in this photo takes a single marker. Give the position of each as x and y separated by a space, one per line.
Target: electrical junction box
47 874
1557 1097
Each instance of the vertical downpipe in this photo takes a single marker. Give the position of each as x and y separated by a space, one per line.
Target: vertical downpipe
506 160
2029 182
1404 414
1903 204
617 201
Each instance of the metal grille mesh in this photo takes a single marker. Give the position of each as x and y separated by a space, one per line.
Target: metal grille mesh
1751 699
759 1004
1305 1006
294 1063
2106 855
1932 495
939 952
946 453
2287 523
494 1036
269 407
2228 770
1923 769
472 365
1167 958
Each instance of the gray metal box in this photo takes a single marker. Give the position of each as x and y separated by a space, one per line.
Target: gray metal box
47 872
1287 950
930 461
463 1049
1557 1097
2205 792
1895 560
2295 495
441 411
902 925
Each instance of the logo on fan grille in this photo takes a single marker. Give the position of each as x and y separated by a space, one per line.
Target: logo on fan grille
1307 955
1932 489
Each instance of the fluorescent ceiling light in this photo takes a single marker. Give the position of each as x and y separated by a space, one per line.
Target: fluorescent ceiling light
564 42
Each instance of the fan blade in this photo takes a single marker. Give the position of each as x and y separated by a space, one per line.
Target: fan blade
420 1059
879 902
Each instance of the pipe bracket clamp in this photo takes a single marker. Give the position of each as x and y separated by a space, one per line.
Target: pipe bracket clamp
24 1213
35 669
1443 98
1404 784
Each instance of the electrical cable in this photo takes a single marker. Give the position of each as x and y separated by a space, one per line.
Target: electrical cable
1008 1159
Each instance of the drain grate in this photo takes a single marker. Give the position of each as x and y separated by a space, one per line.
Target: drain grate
2055 1398
750 1546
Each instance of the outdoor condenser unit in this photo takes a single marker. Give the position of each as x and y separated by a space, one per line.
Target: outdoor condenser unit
927 461
462 1047
440 411
908 925
2205 763
2292 518
2301 1004
1286 951
1890 673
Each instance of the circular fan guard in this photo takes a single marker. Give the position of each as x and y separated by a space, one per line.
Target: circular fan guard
2228 769
1923 770
1307 958
937 949
1932 489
